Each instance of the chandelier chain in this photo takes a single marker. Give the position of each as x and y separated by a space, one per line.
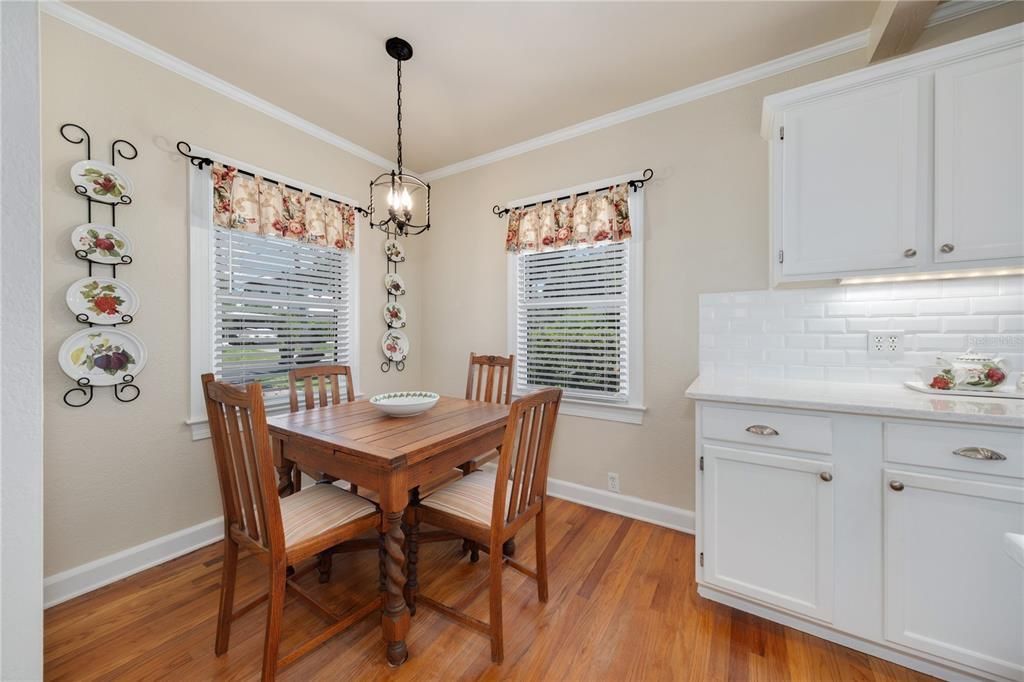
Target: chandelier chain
399 62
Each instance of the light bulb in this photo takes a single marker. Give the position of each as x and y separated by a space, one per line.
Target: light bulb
406 199
391 198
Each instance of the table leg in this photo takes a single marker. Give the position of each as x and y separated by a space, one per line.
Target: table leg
284 466
395 620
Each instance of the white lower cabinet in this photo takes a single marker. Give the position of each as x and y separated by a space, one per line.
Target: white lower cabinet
888 535
950 587
768 528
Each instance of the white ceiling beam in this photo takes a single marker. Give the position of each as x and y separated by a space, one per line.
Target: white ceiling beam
896 26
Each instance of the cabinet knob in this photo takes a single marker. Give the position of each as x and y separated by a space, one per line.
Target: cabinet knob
980 453
825 476
910 253
896 485
762 430
947 248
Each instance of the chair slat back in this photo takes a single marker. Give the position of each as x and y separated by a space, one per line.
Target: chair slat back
322 378
525 454
490 378
245 466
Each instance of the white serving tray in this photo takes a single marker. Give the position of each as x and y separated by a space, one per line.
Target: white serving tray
998 392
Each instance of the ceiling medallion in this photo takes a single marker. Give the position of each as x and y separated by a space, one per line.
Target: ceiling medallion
401 186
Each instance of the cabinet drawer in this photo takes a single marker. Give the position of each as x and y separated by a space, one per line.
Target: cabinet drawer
981 451
764 427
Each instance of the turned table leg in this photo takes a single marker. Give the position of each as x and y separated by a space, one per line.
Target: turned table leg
395 620
285 482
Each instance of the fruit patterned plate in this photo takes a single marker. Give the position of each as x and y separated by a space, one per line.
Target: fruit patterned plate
394 284
102 301
102 182
394 251
394 315
101 243
395 345
103 356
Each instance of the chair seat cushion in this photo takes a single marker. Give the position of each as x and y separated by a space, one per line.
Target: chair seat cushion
470 497
315 510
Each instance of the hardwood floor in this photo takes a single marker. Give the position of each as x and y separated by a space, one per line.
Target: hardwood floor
623 605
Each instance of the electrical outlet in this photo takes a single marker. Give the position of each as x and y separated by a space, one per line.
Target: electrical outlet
886 344
613 482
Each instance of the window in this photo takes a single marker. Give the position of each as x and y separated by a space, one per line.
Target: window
261 305
575 321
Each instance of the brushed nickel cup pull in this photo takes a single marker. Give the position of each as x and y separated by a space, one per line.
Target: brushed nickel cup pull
947 248
896 485
980 453
910 253
825 476
762 430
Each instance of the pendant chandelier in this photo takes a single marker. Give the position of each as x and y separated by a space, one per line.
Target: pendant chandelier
401 186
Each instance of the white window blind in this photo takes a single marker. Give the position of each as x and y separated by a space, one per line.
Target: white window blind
572 321
278 304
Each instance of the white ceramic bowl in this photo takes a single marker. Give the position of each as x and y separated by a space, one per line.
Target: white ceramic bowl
405 403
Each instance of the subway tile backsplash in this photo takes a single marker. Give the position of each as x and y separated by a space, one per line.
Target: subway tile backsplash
821 334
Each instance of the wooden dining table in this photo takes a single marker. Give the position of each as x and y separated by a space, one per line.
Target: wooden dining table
393 456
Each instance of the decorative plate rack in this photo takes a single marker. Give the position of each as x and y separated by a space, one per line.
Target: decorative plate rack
394 343
114 357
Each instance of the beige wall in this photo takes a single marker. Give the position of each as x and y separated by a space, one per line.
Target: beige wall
706 231
117 475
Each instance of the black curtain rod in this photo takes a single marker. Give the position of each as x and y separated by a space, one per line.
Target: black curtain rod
201 161
633 185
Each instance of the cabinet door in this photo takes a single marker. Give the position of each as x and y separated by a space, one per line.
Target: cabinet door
979 158
768 530
951 589
851 185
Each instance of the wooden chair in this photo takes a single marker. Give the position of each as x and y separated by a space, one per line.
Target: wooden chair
318 381
279 532
490 507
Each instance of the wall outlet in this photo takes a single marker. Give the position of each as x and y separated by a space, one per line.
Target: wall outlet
613 482
886 344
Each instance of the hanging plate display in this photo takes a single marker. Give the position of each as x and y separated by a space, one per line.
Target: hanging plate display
394 284
101 243
102 301
394 315
394 251
395 345
102 356
102 182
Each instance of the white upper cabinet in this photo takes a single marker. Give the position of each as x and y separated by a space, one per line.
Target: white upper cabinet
849 181
912 165
979 168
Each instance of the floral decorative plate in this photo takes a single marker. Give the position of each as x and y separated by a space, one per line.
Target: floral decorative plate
103 356
102 301
394 251
394 284
101 243
395 345
102 182
394 315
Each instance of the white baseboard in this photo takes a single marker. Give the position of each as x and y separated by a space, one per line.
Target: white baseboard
69 584
66 585
659 514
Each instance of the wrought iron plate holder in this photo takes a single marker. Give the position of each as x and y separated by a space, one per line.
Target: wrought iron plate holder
126 390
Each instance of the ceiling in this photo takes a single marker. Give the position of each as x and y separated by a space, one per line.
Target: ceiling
484 75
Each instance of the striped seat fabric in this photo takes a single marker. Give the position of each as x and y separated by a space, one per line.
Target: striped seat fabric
316 510
470 497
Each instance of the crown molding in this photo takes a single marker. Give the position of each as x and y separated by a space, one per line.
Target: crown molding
834 48
117 37
958 9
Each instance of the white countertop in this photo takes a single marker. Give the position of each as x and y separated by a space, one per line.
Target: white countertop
882 400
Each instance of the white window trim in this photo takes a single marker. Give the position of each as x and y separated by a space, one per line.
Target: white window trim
200 266
632 411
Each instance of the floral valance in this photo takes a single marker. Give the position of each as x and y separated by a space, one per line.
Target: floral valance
587 219
266 207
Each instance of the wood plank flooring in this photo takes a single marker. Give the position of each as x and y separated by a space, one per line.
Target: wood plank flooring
623 606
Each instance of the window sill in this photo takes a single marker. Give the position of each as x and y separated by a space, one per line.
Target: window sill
614 412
